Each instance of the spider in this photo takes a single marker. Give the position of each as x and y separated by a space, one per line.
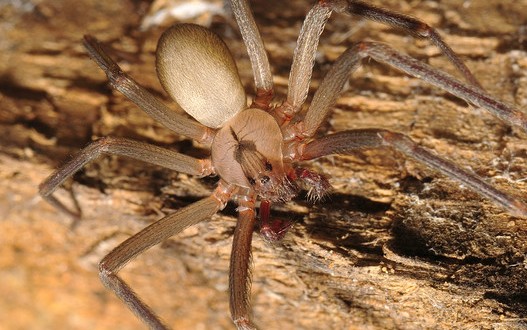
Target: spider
255 149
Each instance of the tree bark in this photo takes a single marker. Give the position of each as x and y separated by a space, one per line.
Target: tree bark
394 246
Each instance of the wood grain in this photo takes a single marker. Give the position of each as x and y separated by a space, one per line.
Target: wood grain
395 246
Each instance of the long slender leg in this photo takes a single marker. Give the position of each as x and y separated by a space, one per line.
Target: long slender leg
263 77
123 147
349 141
303 60
471 94
308 39
326 95
148 237
407 23
350 60
144 99
240 273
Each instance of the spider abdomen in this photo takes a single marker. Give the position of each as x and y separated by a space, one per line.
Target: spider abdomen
197 69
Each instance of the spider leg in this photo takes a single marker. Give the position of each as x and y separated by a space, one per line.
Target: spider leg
144 99
148 237
303 60
326 95
349 61
307 43
263 78
349 141
470 93
123 147
407 23
240 272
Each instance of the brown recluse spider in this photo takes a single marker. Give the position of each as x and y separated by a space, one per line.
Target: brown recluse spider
254 149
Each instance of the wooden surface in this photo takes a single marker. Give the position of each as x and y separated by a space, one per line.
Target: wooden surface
395 246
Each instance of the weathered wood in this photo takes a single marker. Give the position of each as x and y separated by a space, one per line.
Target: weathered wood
394 246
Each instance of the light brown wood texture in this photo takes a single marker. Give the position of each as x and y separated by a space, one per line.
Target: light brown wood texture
395 246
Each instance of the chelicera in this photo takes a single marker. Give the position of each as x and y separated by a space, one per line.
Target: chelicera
255 149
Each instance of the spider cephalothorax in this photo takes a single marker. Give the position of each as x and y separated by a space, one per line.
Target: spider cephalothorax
255 150
247 151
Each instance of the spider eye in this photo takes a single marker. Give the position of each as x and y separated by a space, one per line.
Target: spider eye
265 179
252 181
268 166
